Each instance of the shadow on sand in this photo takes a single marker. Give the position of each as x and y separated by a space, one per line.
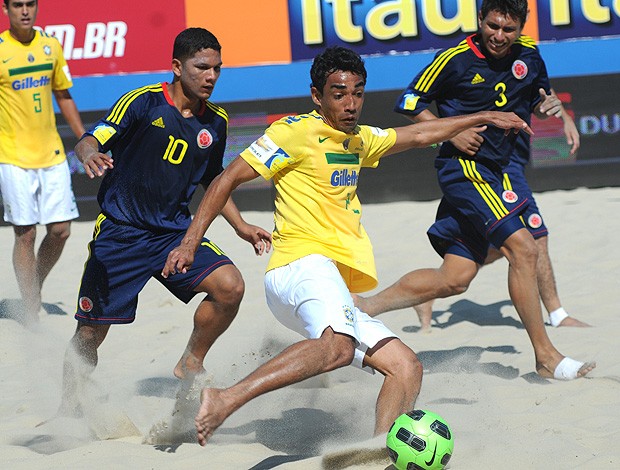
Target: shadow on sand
13 309
468 311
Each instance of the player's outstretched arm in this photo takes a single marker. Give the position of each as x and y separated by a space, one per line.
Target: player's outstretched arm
212 203
95 163
468 142
423 134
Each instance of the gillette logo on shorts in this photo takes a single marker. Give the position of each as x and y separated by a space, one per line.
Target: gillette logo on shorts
268 153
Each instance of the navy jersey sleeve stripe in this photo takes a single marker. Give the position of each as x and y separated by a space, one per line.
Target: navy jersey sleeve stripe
120 108
434 69
217 110
526 41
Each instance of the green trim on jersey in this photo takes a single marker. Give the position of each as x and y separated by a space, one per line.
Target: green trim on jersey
30 69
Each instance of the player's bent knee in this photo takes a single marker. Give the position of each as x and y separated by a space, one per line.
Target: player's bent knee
409 368
453 287
339 349
59 231
230 287
520 247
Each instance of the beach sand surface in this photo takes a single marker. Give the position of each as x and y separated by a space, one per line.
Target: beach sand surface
478 364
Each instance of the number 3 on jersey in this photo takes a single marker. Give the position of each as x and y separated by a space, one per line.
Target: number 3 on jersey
501 89
176 150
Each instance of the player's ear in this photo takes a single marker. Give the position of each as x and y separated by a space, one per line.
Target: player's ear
316 95
177 67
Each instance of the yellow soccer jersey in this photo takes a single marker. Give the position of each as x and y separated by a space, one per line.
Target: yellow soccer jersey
28 74
315 169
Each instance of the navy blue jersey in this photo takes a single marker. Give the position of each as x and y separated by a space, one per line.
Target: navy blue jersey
462 80
159 158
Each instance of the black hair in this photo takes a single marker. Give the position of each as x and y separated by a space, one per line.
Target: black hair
193 40
515 8
333 59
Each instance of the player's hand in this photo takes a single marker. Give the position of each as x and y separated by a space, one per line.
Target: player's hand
179 260
258 237
97 163
469 141
550 105
509 122
572 134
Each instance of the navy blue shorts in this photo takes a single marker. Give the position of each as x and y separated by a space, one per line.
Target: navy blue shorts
121 261
514 179
475 211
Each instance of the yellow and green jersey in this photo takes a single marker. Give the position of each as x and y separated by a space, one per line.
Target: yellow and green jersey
28 74
315 169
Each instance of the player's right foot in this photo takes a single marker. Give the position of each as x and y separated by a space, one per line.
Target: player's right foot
212 413
574 322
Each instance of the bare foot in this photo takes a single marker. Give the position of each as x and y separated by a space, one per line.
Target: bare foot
188 366
212 413
572 321
565 369
425 315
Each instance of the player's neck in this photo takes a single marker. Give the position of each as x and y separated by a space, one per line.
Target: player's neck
186 106
25 36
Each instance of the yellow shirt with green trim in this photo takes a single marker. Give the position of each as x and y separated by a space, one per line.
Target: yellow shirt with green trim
28 74
315 169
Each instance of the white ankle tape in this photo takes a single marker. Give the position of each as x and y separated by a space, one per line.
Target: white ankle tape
557 316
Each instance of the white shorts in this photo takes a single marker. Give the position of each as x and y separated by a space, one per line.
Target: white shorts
37 196
309 295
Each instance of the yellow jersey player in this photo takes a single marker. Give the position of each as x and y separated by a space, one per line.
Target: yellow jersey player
321 251
34 175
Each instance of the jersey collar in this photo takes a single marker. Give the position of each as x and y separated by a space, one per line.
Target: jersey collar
474 47
164 86
471 41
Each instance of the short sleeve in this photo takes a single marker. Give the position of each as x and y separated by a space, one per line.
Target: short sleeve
62 77
267 154
377 142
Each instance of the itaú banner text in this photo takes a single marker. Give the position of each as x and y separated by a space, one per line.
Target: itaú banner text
115 37
384 26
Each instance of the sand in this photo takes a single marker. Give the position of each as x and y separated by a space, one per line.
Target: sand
479 365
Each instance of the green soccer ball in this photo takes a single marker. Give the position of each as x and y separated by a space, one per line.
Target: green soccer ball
420 440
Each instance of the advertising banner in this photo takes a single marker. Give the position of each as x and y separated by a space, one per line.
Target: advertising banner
399 26
372 27
566 19
596 115
123 37
129 37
